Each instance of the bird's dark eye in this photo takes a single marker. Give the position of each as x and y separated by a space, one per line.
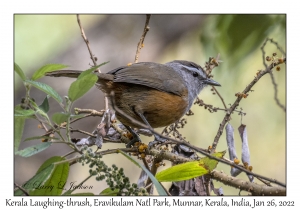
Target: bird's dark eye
195 74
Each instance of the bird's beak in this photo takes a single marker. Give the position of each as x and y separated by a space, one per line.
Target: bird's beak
211 82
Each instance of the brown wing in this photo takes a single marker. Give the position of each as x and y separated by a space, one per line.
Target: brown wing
157 76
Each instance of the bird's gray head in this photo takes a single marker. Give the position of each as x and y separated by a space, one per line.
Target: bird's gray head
194 77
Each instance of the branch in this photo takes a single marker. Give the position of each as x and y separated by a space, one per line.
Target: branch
141 42
260 74
253 188
271 73
86 41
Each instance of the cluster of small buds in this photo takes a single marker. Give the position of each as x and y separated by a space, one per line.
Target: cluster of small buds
115 177
142 147
243 95
117 180
274 58
246 166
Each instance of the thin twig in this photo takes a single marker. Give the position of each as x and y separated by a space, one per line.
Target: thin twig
86 41
215 89
276 92
69 153
141 42
106 152
212 109
271 73
83 132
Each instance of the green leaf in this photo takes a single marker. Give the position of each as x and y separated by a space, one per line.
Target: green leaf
19 117
59 117
180 172
46 88
86 72
189 170
211 164
109 192
32 150
45 105
18 192
23 113
47 68
18 131
39 179
56 181
19 72
81 86
158 186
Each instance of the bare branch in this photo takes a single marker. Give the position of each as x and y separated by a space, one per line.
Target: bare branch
271 73
86 41
141 42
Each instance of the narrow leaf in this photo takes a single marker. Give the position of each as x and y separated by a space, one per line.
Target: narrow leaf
109 192
59 118
45 105
18 131
81 86
56 181
47 68
32 150
86 72
158 186
47 89
180 172
19 72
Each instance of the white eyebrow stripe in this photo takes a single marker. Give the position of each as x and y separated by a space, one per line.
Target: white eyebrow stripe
195 69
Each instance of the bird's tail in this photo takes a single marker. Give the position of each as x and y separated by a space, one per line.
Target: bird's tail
64 73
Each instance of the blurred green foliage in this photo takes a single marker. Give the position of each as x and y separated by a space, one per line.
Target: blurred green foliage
239 35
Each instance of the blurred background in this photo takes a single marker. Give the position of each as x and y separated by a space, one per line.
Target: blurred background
44 39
